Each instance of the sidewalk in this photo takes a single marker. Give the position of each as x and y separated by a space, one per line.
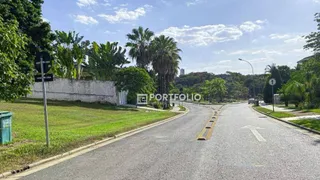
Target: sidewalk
298 117
278 109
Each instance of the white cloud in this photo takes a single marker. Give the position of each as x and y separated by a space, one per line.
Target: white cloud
219 52
261 21
194 2
250 26
279 36
84 3
123 14
203 35
224 61
256 52
254 41
124 5
45 19
259 60
316 1
111 32
85 19
106 3
167 3
288 38
295 39
239 52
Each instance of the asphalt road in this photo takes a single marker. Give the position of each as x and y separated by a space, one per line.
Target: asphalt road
236 150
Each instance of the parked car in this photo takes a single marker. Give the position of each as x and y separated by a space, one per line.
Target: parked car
251 101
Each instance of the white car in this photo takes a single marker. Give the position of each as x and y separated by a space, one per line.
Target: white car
251 101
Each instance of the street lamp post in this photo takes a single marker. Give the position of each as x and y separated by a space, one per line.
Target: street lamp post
254 88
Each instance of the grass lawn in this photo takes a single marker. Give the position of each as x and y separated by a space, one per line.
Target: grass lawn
71 124
182 108
317 111
274 114
310 123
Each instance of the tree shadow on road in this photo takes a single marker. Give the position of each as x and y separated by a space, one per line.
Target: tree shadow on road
316 142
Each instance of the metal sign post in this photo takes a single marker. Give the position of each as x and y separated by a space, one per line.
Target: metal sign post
45 104
272 82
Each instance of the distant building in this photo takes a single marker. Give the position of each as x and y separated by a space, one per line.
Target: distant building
307 58
182 72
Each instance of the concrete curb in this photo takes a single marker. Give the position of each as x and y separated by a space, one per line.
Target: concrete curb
86 147
293 124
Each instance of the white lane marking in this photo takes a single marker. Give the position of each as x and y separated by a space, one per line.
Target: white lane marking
254 131
258 135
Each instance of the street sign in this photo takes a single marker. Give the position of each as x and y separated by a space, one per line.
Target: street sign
46 77
272 81
47 62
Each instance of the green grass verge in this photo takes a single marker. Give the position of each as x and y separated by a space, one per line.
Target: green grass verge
71 125
182 108
317 111
309 123
274 114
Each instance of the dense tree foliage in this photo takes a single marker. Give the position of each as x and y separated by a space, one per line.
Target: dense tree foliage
303 87
214 89
28 13
274 73
313 39
135 80
139 44
105 60
15 75
238 86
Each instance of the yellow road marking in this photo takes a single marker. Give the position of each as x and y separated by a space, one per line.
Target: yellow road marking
210 130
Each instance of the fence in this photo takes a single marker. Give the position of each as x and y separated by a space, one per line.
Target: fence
80 90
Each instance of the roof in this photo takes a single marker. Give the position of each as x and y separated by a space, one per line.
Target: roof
307 58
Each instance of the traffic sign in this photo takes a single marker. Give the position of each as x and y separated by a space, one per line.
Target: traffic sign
272 81
46 77
46 59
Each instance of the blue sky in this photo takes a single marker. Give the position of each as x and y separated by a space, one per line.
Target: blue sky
213 34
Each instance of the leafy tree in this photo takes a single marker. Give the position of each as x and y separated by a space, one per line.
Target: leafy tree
15 74
105 59
215 89
284 72
293 92
28 13
135 80
70 54
273 73
193 78
313 39
139 44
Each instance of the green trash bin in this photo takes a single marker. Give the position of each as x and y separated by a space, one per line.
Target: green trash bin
5 127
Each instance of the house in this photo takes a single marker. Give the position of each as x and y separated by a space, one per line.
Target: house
309 57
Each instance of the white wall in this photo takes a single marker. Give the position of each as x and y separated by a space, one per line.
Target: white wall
77 90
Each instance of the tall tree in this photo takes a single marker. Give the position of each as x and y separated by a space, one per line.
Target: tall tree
215 89
273 72
105 59
28 13
165 61
139 44
70 54
313 39
15 74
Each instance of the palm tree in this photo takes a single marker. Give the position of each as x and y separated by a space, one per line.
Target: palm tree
104 59
165 61
139 42
70 52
